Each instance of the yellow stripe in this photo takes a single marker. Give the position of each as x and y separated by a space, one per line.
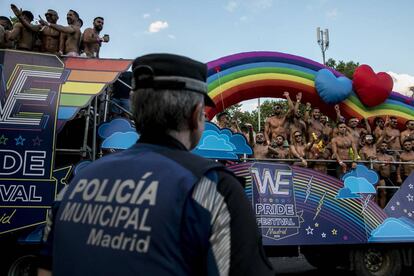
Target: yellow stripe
251 78
372 113
82 87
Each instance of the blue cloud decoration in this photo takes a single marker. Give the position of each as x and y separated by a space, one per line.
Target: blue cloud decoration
216 143
118 134
393 229
359 181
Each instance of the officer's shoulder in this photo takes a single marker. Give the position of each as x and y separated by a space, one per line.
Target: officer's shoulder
196 164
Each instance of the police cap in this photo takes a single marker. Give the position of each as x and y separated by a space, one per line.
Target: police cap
168 71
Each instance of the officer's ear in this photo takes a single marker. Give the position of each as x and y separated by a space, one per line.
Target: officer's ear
197 117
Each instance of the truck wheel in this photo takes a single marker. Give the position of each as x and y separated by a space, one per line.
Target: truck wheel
23 266
377 262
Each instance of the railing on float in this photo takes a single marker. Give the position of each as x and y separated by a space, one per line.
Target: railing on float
370 162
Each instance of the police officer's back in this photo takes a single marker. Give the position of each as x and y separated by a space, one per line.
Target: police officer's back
156 209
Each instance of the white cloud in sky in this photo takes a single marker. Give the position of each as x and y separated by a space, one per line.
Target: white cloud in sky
262 4
402 83
243 18
332 13
157 26
171 36
231 6
146 15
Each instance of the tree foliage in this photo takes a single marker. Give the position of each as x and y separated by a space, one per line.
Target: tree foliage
346 68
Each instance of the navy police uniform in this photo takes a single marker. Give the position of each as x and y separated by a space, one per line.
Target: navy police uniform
154 209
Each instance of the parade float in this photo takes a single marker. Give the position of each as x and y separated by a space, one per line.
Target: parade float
47 102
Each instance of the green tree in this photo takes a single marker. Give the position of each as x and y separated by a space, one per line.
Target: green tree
346 68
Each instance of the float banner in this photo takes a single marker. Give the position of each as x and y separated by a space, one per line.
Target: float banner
29 95
274 201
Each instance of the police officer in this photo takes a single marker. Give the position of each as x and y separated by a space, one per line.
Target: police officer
157 209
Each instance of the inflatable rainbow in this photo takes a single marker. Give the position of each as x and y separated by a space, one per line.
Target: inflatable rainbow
244 76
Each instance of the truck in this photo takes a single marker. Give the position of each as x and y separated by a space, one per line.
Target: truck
54 121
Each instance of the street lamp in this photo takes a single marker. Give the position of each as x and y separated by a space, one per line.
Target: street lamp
323 41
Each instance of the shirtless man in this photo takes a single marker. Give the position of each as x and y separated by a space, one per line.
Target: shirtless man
260 149
379 127
404 170
408 133
5 26
275 124
223 120
358 132
327 129
313 120
91 40
49 36
277 149
23 37
392 135
70 35
369 150
384 171
295 122
298 148
341 144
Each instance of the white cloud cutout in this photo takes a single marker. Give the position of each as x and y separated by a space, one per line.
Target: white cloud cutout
171 36
231 6
157 26
332 13
402 83
146 15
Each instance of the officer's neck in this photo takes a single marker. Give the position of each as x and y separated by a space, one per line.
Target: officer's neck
183 136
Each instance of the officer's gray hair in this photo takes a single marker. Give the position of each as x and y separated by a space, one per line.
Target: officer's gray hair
161 111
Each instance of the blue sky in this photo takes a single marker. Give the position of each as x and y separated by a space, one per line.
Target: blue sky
375 32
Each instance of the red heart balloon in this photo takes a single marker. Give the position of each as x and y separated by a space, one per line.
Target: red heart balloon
372 89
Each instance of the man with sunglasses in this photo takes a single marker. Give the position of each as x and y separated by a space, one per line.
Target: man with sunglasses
49 37
276 124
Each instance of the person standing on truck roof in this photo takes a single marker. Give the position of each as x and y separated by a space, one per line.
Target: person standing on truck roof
276 124
157 209
91 41
49 37
70 35
23 37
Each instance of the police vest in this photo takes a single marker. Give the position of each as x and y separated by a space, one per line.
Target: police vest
123 215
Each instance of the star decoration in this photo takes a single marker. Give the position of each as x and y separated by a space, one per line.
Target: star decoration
270 200
37 141
405 210
323 235
410 197
410 215
411 186
309 231
316 224
20 140
264 199
393 208
398 203
334 232
3 139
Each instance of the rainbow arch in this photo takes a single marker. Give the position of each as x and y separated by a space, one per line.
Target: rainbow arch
244 76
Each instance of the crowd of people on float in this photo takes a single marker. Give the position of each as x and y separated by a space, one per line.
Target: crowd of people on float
47 36
312 136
